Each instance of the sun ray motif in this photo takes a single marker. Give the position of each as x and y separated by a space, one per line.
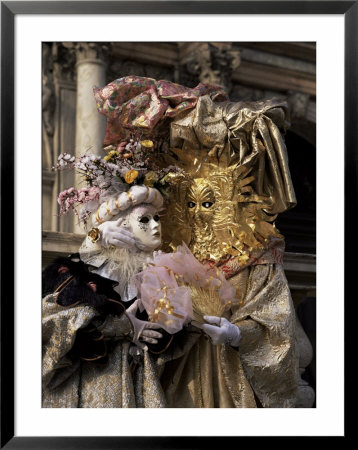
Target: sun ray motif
215 208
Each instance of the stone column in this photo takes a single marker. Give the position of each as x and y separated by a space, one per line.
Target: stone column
90 125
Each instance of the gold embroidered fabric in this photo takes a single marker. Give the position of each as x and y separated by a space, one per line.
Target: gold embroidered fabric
191 372
116 327
268 349
81 384
199 375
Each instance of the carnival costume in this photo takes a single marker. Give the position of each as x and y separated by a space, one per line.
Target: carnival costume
236 180
228 180
92 354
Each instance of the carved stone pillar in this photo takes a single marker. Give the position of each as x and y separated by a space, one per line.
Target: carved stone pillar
91 71
90 125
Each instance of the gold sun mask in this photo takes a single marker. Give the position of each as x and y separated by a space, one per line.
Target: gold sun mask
235 182
216 212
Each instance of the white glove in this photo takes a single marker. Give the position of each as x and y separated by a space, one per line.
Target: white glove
142 329
112 233
222 332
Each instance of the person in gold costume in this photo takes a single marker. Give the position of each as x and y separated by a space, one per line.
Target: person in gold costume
236 180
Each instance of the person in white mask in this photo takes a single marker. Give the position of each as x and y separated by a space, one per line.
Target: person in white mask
91 316
126 231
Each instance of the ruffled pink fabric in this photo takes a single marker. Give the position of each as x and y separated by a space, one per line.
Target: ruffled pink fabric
137 104
160 281
184 263
165 302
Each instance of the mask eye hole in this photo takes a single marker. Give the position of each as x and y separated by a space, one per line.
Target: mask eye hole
191 204
144 219
156 218
207 204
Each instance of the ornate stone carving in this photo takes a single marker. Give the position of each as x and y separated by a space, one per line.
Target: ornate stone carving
64 62
298 104
213 63
67 54
92 52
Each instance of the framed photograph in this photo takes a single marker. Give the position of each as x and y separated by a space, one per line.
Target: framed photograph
50 50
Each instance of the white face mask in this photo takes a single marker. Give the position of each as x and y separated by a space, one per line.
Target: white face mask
145 224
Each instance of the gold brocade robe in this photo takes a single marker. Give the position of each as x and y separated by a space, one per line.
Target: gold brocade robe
83 384
235 160
197 374
192 372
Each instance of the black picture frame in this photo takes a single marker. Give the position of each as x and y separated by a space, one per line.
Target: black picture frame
9 10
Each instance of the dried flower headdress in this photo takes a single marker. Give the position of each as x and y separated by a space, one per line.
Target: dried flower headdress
137 110
128 164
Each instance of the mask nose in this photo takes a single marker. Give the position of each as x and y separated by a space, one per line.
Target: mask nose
196 209
155 225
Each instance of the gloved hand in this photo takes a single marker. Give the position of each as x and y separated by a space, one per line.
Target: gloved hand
222 332
142 329
112 233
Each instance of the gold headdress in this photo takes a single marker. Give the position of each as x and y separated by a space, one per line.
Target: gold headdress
236 178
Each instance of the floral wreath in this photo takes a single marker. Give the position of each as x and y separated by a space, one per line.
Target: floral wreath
127 164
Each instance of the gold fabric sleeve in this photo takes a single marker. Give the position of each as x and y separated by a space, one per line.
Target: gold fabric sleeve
79 384
267 322
59 327
116 327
